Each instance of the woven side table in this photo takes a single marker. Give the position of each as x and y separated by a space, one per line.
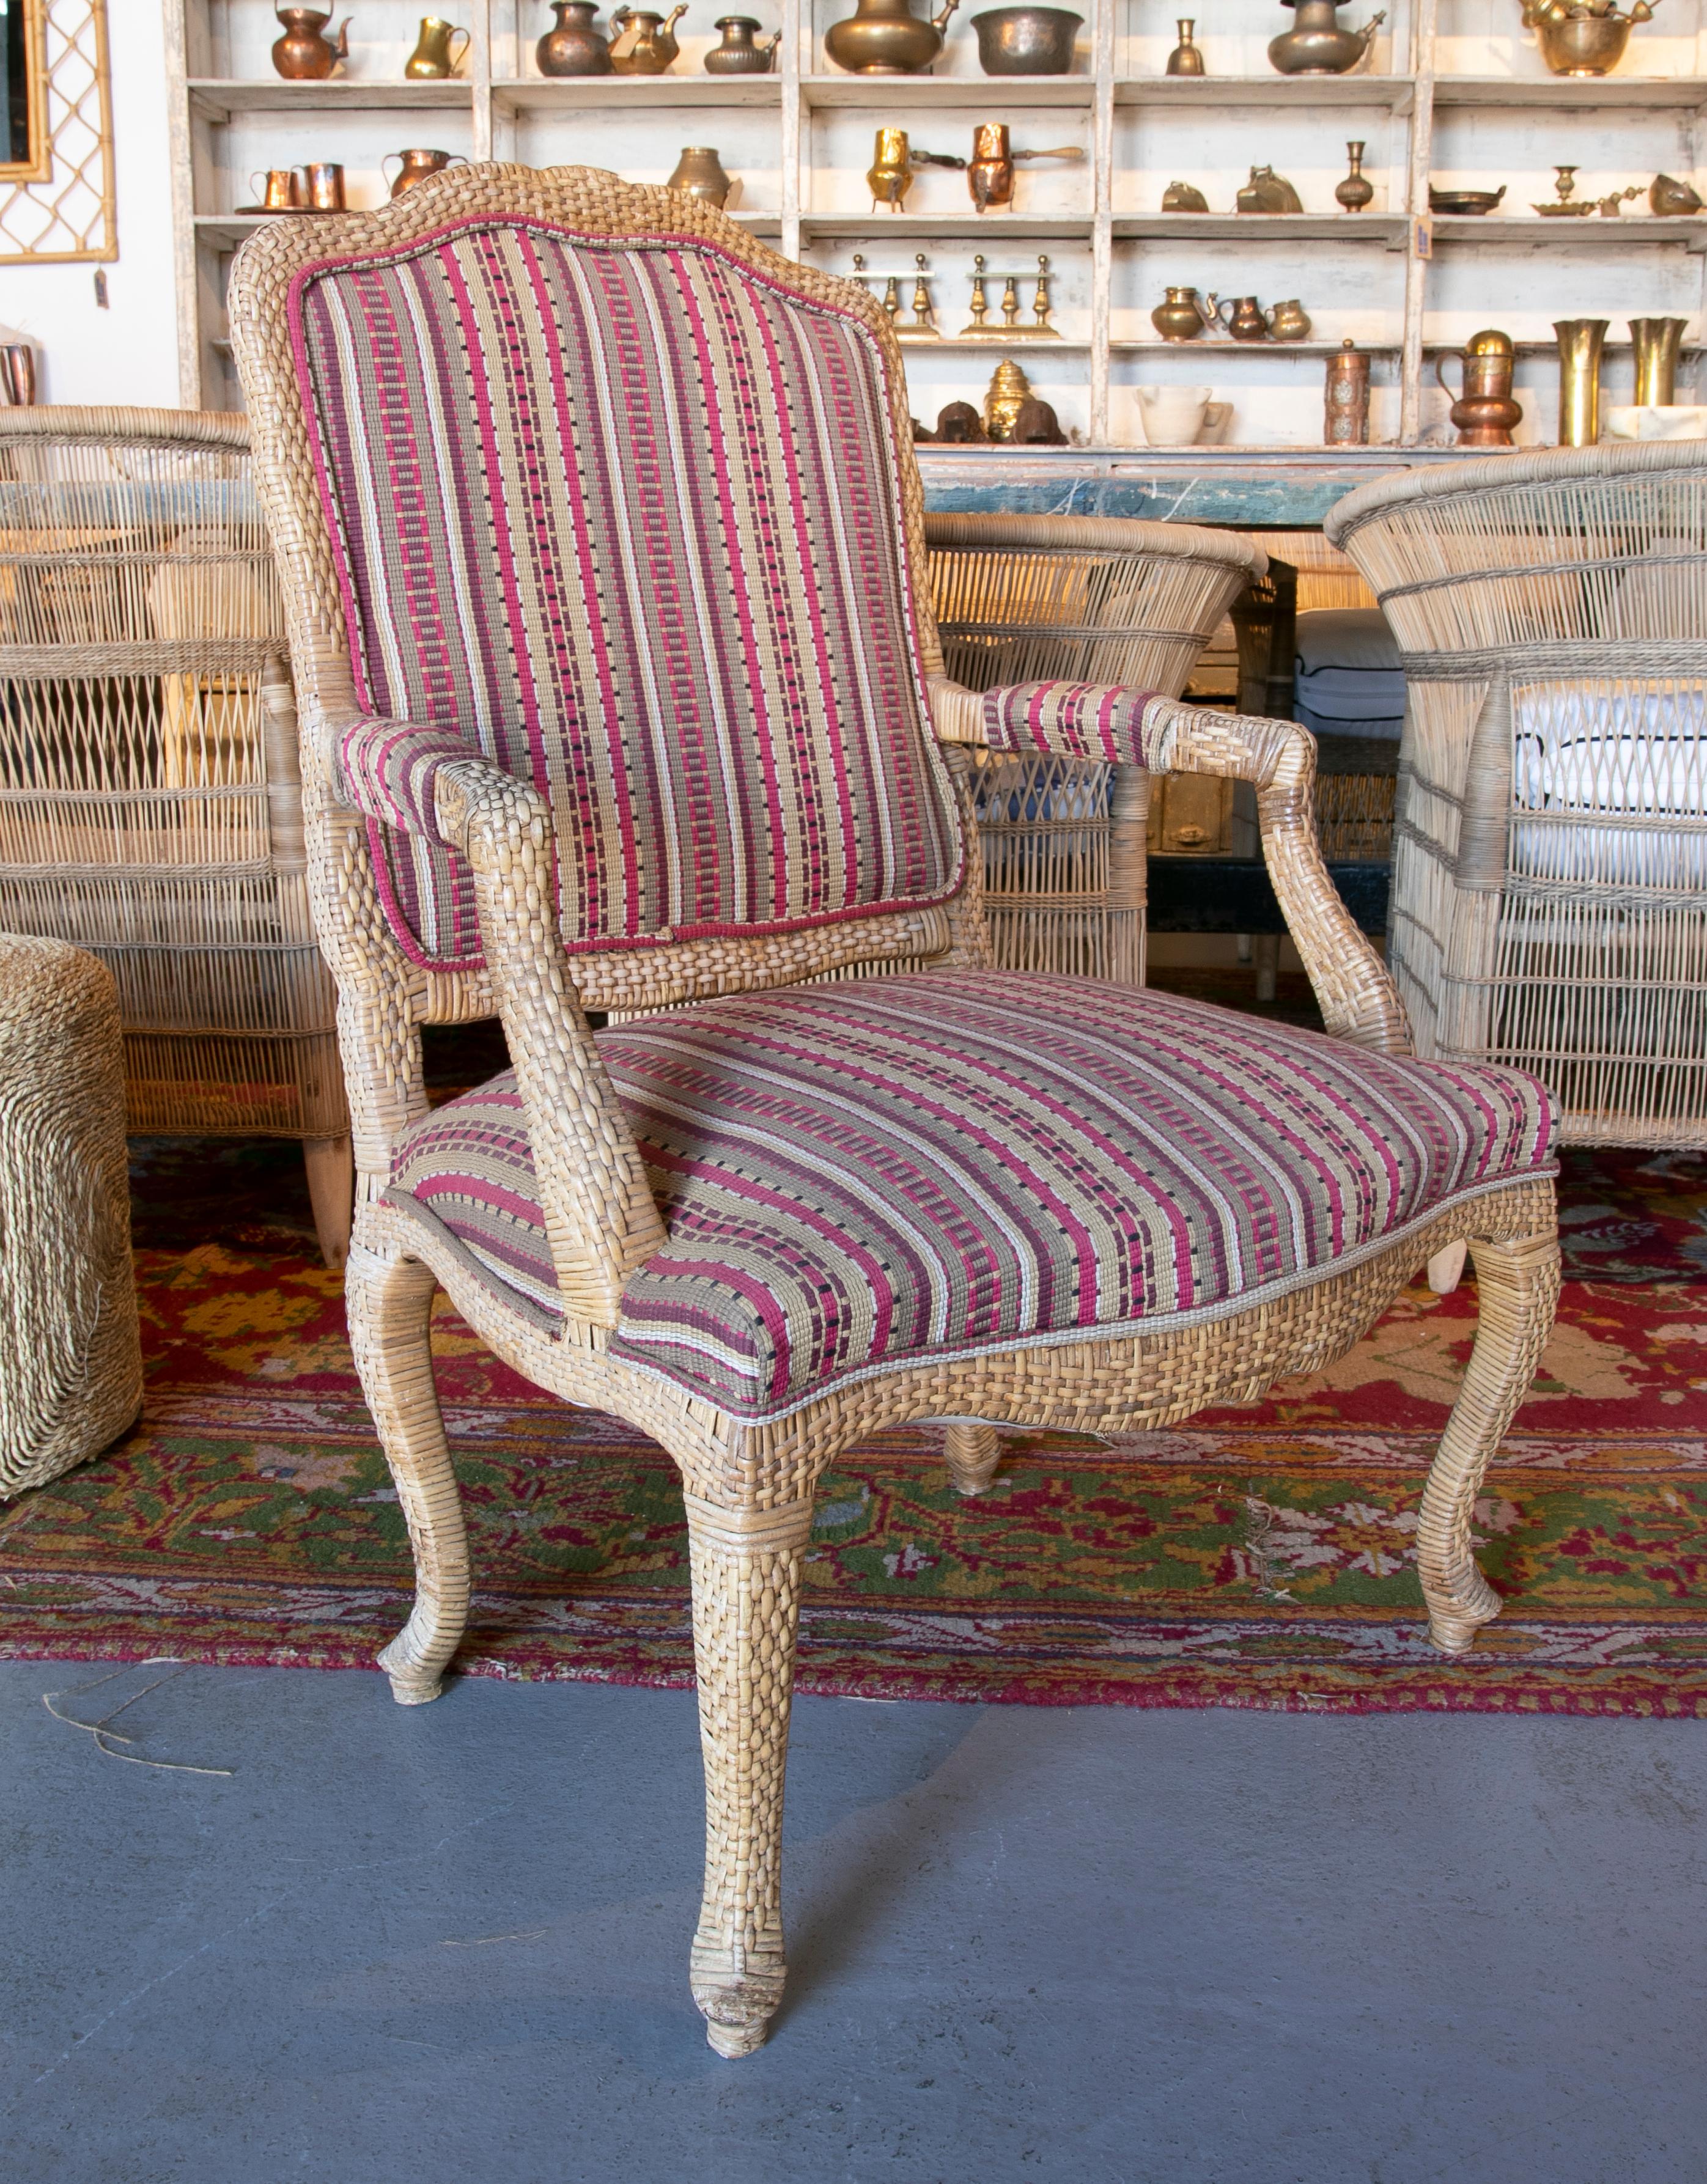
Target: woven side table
70 1356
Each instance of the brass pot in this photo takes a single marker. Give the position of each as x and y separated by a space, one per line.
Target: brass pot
436 52
644 43
1483 410
573 47
884 37
1181 317
1316 45
1026 41
1575 42
699 173
304 54
741 54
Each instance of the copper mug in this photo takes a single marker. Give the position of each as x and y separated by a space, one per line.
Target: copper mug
415 166
279 189
324 180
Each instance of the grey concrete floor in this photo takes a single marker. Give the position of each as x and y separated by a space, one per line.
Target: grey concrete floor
444 1945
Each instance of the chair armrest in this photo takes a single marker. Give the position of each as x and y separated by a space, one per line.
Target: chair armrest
1115 726
389 770
601 1219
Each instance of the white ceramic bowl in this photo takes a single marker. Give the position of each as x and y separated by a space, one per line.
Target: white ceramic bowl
1173 415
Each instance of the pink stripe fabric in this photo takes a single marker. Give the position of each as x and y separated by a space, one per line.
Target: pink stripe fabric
1069 720
624 517
906 1167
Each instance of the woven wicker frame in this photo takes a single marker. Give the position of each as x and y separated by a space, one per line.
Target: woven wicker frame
1077 599
70 1353
141 656
1568 937
749 1487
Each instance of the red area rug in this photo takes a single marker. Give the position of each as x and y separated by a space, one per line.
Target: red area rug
1256 1557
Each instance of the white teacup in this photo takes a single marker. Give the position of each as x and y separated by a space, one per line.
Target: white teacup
1173 415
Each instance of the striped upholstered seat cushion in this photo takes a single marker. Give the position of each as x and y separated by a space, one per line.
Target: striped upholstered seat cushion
853 1176
624 517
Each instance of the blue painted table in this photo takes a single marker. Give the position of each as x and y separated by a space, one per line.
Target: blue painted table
1254 489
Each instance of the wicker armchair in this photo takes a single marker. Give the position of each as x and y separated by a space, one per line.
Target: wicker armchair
602 549
150 808
1549 894
1078 598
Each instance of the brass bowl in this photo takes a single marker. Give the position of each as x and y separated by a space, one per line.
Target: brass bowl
1466 203
1584 45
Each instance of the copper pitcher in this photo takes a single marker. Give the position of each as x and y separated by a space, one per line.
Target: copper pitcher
304 54
646 43
436 52
1483 411
415 166
1246 322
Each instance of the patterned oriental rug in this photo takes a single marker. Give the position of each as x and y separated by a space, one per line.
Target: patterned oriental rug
1255 1557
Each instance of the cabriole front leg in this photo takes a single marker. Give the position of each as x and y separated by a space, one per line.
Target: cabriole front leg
746 1571
389 1302
1517 1288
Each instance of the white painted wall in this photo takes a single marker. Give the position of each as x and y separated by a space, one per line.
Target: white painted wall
129 351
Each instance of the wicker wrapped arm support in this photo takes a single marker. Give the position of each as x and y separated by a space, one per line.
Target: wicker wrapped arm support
1156 734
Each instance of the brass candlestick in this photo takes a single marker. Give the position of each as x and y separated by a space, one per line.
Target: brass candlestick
1010 328
923 327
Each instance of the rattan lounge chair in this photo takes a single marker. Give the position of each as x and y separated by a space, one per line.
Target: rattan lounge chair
602 548
1075 599
1549 895
150 809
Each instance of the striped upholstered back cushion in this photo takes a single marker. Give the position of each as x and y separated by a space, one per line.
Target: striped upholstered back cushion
625 516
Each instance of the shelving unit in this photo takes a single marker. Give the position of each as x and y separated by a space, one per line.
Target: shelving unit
1454 90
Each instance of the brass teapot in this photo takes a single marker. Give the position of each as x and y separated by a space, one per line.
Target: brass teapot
646 43
1317 46
740 53
884 37
304 54
1583 37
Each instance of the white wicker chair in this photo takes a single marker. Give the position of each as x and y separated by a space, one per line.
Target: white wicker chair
150 803
1549 897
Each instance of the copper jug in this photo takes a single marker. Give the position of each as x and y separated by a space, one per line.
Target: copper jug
1484 412
416 166
433 59
644 43
1246 322
304 54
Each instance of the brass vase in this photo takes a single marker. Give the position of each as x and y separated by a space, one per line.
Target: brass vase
1186 59
1656 342
1356 191
699 173
1580 341
572 47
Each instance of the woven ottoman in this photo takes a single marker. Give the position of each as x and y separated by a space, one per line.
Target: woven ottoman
70 1356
